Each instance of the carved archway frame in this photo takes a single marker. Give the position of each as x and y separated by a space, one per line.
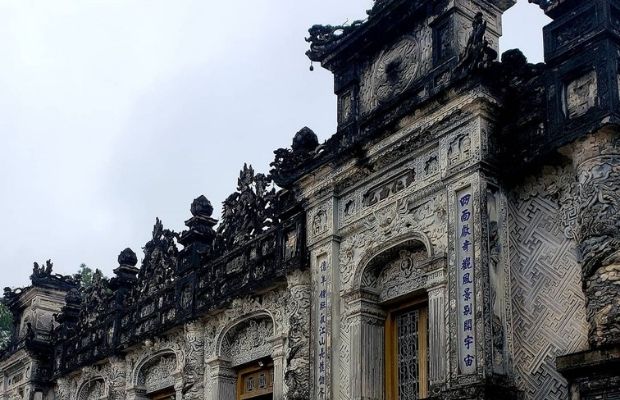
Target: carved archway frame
155 351
222 373
372 256
367 316
236 322
86 380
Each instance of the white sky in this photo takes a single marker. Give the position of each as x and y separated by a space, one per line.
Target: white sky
114 112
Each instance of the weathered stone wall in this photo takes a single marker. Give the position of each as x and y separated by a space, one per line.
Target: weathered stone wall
548 304
199 359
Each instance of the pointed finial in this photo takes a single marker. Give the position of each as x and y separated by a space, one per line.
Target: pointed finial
201 206
128 257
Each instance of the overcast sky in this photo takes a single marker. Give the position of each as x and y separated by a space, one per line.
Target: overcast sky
114 112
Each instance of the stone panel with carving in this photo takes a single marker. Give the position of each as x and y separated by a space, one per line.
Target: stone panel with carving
548 303
158 375
395 69
581 95
408 272
248 341
92 390
297 373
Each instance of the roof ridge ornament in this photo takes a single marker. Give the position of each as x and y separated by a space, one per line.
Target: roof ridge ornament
249 211
478 54
323 38
285 166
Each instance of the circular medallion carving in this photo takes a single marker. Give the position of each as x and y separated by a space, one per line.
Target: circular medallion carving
395 69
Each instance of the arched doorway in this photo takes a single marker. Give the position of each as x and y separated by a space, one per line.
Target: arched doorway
157 378
249 360
396 314
93 389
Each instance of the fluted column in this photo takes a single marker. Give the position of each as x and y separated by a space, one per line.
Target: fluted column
597 164
224 380
437 335
367 321
277 355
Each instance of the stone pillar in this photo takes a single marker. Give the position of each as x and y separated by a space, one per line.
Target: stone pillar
437 335
224 380
277 356
367 321
178 386
118 375
297 375
323 245
597 164
193 372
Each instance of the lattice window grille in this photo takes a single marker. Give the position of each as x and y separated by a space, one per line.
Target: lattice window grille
407 341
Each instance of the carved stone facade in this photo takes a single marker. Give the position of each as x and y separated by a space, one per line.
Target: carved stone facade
458 237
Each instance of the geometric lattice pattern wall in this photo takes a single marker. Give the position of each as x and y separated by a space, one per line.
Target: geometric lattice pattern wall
548 306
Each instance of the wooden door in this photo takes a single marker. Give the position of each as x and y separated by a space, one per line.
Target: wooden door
255 383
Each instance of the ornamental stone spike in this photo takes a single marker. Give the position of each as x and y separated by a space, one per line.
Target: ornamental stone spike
126 273
128 257
201 206
200 224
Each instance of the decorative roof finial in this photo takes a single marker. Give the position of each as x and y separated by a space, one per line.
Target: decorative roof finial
126 271
128 257
201 206
305 141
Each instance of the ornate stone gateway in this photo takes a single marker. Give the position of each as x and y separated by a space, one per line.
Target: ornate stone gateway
458 237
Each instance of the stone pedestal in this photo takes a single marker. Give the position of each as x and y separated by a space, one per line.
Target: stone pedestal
593 374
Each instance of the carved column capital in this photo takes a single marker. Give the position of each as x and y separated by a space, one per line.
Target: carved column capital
224 379
277 343
437 291
596 160
219 363
364 306
298 278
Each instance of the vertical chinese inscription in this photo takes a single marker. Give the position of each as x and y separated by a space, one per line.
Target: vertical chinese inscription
465 282
322 360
